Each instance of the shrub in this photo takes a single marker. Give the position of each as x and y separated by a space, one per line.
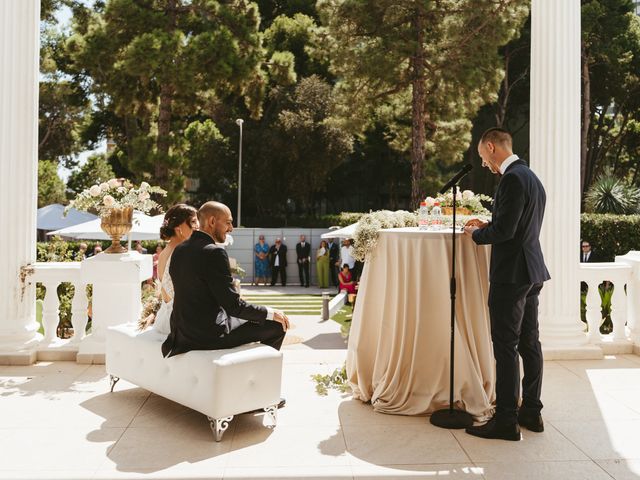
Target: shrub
610 194
610 235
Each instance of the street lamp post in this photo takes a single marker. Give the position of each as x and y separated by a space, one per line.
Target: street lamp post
239 122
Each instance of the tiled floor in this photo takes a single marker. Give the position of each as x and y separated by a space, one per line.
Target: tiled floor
58 420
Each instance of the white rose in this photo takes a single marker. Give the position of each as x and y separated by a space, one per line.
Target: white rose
142 196
114 182
144 185
458 196
108 201
467 194
95 191
430 201
104 186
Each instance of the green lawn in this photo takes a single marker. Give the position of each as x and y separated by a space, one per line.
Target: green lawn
290 304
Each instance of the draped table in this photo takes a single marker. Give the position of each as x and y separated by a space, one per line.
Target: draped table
398 352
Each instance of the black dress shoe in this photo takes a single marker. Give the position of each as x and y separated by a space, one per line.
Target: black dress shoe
530 420
496 429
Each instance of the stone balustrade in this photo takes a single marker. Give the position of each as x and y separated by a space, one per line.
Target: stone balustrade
116 281
51 275
616 276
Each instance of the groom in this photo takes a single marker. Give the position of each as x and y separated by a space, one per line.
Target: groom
203 284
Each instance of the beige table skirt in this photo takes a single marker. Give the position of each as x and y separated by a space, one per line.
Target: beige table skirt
398 353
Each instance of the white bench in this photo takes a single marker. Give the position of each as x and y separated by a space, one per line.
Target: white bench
217 383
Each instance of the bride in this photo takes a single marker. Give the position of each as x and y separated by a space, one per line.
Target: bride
179 223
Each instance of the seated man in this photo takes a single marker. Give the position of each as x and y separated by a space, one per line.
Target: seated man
203 286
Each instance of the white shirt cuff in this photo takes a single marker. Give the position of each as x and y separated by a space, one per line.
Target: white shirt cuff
269 313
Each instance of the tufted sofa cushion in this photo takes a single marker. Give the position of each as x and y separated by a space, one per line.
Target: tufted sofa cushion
217 383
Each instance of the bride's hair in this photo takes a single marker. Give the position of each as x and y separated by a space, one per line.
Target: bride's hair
176 216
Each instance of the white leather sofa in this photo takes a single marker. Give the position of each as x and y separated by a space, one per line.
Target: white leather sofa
217 383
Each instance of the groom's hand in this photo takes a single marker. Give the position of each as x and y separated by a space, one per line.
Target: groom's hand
280 316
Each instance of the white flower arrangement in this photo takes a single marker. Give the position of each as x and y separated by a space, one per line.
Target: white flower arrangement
466 199
116 193
366 233
370 224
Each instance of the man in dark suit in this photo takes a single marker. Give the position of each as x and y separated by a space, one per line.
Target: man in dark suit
303 252
278 260
586 254
517 273
203 284
334 261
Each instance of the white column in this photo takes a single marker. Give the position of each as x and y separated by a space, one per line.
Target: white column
19 60
555 157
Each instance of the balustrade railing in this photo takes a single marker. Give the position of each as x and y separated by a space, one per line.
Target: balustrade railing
615 276
51 275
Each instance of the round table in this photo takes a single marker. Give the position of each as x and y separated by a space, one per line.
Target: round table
398 352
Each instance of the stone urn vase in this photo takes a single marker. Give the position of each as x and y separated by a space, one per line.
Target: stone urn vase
116 222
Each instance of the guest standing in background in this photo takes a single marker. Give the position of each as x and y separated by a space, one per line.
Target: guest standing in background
278 259
346 254
322 264
334 261
261 263
303 252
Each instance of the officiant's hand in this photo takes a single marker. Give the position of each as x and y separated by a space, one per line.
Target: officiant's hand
469 229
280 316
476 222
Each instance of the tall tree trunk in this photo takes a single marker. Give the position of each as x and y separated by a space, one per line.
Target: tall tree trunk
586 119
503 96
167 92
418 117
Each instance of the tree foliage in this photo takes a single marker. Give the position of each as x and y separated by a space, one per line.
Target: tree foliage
63 105
94 171
611 88
424 67
154 64
50 185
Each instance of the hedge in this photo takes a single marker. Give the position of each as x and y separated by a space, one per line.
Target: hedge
610 235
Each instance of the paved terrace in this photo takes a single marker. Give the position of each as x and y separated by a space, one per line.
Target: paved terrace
59 421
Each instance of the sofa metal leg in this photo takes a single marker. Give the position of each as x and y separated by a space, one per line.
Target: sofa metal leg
114 380
272 413
219 426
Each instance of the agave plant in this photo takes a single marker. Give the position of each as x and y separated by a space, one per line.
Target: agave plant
610 194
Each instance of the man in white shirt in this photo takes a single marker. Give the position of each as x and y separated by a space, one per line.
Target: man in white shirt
346 252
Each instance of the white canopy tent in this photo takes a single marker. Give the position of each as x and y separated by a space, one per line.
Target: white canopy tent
344 232
52 217
145 227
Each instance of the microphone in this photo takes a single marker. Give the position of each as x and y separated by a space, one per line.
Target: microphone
466 169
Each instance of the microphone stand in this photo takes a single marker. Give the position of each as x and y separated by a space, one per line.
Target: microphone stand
450 417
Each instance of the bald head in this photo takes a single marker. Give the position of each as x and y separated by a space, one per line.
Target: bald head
216 220
212 209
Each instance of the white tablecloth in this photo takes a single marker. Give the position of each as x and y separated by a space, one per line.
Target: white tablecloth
398 353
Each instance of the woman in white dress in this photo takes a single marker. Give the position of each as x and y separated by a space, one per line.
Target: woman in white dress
179 223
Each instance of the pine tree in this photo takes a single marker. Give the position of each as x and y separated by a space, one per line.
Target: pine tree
424 67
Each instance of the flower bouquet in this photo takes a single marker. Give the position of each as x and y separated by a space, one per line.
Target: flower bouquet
115 202
467 203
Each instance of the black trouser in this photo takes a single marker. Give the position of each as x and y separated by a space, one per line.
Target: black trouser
303 272
270 333
514 330
333 268
283 275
